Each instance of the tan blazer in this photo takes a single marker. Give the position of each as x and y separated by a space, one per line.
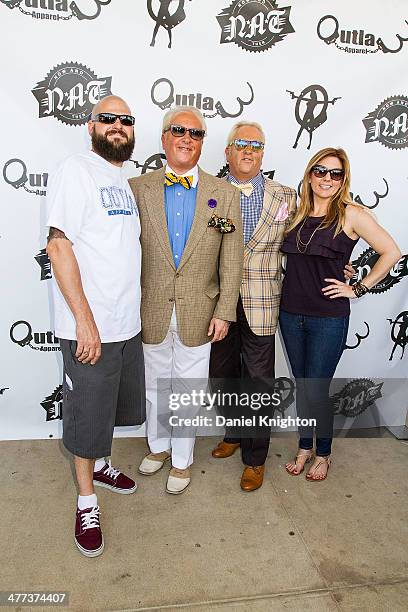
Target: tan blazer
262 276
207 281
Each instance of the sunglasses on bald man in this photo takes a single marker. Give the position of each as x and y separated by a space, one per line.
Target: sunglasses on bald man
253 145
110 119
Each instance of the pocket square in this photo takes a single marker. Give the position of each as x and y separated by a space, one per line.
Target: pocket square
282 213
223 225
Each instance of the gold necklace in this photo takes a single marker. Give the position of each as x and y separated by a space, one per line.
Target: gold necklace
300 245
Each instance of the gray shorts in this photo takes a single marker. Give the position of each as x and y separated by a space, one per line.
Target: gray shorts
98 397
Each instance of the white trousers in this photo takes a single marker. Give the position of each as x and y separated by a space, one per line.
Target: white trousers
170 366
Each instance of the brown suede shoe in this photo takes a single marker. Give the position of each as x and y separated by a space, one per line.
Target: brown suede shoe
252 477
225 449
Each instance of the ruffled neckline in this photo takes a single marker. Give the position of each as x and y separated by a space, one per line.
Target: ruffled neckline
323 242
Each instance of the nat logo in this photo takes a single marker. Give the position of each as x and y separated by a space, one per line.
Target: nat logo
356 397
69 92
52 404
254 25
388 123
365 263
45 264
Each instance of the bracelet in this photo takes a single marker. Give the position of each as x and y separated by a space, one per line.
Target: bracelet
359 289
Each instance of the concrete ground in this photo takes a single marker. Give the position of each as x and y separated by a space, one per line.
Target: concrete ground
292 545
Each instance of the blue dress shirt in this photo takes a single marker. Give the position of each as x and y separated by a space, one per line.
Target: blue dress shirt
180 204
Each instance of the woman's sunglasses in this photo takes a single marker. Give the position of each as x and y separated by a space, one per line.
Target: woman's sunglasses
253 145
110 118
336 174
179 130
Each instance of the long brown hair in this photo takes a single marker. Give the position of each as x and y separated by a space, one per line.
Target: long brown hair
337 205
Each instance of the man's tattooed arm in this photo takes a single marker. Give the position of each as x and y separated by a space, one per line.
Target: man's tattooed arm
56 233
68 276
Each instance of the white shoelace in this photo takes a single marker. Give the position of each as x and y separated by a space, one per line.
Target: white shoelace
111 472
90 519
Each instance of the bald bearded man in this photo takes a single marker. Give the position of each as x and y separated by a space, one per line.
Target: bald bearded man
94 248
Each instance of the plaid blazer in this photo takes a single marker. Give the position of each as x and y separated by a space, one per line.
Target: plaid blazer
262 276
207 281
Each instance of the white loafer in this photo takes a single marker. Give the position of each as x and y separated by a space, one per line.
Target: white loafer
151 466
176 485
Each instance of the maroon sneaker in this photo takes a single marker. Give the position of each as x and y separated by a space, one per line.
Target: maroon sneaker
88 534
114 480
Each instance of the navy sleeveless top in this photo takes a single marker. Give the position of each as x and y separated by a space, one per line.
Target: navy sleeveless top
325 257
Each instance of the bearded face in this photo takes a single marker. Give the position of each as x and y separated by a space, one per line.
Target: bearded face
114 144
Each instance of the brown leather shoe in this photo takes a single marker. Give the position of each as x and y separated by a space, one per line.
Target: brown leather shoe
252 478
225 449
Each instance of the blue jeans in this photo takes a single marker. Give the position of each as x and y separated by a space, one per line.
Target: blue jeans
314 346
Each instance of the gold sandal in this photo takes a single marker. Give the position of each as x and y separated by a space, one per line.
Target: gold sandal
323 460
309 456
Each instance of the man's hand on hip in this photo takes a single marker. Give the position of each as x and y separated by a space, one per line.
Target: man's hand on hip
219 328
88 341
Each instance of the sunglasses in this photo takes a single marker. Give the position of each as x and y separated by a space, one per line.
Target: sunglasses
110 118
336 174
254 145
179 130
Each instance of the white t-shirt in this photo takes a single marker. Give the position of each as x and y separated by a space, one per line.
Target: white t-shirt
90 200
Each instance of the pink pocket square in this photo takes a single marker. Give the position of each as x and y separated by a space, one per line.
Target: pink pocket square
282 213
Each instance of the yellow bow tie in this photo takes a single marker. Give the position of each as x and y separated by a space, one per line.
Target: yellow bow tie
246 188
171 179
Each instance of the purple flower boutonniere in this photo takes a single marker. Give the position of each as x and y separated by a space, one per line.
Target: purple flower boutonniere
212 203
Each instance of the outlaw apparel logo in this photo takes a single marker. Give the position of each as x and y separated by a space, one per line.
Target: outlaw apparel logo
353 41
117 201
388 123
53 404
21 333
69 92
56 10
15 174
366 261
204 103
254 25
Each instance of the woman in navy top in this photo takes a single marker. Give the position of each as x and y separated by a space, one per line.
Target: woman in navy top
314 312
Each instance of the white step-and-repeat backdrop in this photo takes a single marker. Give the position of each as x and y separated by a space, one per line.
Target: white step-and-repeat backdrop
314 74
